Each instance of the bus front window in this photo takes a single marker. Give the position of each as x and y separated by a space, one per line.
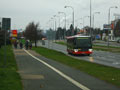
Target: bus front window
83 43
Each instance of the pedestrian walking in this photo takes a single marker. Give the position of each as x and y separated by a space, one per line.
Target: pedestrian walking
15 44
26 44
21 45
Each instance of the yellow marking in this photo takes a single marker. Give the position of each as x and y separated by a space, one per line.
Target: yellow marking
91 59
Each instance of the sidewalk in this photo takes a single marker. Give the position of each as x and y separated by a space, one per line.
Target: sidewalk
37 76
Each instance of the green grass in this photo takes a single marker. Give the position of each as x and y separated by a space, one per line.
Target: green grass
62 43
9 78
108 74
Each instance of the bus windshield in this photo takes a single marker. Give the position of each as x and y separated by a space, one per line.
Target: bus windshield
83 42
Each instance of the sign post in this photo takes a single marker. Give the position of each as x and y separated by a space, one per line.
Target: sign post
6 23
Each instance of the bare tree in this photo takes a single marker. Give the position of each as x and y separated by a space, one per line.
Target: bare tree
31 32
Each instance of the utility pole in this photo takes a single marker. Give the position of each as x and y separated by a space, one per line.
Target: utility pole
90 18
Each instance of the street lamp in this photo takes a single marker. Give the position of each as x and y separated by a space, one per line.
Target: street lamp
109 13
94 18
58 20
84 19
55 26
77 21
53 22
73 14
65 21
90 17
109 21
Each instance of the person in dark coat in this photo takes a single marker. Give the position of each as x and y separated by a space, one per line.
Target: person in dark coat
21 45
26 44
15 44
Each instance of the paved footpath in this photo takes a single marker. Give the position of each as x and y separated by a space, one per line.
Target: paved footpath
40 73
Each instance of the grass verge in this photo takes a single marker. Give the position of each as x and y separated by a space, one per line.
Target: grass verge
108 74
9 78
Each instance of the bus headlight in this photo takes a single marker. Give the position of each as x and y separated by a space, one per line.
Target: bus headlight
75 50
90 50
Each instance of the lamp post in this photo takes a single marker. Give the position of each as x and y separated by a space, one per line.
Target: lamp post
53 22
84 19
90 18
77 21
81 24
94 17
65 21
72 14
93 21
55 26
58 20
109 22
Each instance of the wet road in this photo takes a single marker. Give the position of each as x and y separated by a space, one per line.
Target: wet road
100 57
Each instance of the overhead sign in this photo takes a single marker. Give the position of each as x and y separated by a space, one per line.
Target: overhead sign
6 23
106 27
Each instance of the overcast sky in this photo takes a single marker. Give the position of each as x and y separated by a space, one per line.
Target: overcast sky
22 12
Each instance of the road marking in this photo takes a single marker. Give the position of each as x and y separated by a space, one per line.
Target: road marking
91 59
60 73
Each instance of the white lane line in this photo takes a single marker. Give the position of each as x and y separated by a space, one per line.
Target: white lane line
60 73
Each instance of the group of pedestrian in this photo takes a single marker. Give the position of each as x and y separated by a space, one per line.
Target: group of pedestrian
28 44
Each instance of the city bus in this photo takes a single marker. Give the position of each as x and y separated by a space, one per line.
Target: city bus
79 45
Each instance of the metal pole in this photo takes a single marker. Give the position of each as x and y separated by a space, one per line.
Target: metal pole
65 27
73 18
73 21
90 18
55 28
65 23
84 20
109 23
5 53
59 21
93 21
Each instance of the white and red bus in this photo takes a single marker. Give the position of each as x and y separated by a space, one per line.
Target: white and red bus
79 45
